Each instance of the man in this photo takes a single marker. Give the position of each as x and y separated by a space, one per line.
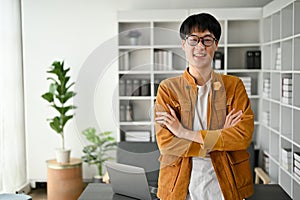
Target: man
204 124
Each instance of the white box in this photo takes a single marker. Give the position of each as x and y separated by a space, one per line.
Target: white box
134 136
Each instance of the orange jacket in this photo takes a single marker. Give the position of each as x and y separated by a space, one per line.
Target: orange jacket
227 147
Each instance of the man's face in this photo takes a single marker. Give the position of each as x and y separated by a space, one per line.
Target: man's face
200 56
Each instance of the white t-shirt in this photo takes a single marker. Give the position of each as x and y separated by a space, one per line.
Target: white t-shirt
204 184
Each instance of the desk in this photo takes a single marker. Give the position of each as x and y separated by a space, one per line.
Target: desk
64 180
269 192
100 191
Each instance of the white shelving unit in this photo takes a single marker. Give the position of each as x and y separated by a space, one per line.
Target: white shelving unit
281 50
160 33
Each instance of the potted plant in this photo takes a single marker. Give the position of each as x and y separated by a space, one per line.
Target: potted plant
59 96
96 153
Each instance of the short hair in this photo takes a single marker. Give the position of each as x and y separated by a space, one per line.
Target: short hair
200 22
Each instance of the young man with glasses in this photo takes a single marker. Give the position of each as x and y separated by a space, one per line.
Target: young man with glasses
204 124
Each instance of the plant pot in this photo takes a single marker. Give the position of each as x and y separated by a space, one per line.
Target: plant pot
97 179
63 155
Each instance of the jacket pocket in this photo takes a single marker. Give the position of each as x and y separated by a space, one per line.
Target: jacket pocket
240 167
185 113
169 173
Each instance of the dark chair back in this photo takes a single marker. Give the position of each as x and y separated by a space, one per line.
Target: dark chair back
141 154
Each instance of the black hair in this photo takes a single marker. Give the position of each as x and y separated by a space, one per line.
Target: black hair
200 22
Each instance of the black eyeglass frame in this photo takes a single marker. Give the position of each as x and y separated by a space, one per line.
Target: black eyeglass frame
201 39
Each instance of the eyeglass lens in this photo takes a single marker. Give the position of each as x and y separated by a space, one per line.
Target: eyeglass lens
207 41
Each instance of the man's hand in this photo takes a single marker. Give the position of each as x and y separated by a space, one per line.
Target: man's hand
233 118
169 120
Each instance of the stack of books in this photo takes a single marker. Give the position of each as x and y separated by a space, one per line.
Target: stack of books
297 165
163 60
266 118
247 82
278 59
287 90
286 158
267 88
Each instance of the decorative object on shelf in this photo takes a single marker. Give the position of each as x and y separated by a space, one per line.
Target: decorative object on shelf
97 152
163 60
218 60
133 36
58 96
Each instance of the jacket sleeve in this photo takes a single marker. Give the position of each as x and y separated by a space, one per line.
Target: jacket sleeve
234 138
167 142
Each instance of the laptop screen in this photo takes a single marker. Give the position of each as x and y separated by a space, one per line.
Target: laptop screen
128 180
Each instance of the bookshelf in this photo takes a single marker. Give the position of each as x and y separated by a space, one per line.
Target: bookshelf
280 92
157 54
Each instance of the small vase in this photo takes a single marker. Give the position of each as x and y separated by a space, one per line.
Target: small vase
134 40
63 155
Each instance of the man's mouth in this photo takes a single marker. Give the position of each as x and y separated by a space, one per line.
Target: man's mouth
199 54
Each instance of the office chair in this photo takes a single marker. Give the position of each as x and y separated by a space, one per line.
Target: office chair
257 172
141 154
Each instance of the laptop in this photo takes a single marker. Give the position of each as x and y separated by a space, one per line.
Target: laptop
130 181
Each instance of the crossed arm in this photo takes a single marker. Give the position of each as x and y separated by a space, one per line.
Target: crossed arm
171 121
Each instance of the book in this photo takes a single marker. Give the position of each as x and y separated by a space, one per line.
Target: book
253 59
287 100
297 156
287 81
250 59
297 163
297 170
286 158
257 59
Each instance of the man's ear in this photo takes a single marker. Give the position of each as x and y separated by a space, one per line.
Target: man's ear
217 45
183 44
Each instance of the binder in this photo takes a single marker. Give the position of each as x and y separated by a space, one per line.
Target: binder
250 59
257 59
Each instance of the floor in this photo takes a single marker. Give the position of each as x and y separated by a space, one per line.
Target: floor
40 192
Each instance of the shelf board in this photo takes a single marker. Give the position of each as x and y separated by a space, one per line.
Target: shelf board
135 47
168 72
244 45
135 98
136 123
243 70
134 72
175 46
254 97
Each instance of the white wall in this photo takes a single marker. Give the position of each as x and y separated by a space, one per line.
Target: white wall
76 31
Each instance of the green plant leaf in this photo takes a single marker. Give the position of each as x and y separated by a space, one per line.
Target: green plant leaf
55 125
48 96
65 119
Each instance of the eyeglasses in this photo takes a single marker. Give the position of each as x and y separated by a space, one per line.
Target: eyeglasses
207 40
